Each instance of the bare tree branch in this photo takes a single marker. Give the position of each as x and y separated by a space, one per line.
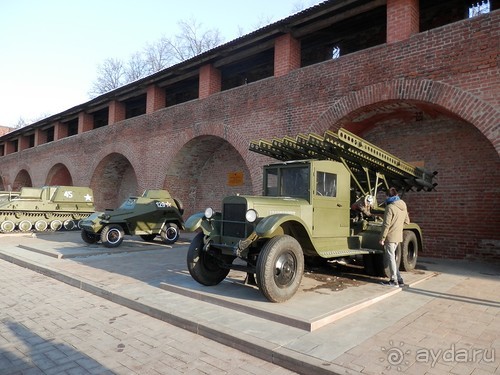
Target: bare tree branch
110 75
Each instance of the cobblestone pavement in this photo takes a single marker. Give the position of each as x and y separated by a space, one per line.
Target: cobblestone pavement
48 327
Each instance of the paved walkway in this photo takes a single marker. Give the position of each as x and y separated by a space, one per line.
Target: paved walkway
49 327
445 324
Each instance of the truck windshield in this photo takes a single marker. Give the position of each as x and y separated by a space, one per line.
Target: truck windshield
287 181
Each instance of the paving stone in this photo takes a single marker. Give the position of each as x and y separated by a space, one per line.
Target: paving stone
460 306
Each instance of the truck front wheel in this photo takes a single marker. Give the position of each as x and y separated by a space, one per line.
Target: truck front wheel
280 267
409 251
202 266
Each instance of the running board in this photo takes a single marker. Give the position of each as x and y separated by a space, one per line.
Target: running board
348 252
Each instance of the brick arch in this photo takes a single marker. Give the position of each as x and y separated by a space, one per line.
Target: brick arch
59 175
22 179
113 180
461 103
230 135
199 167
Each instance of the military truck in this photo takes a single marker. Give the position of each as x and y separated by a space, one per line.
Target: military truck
305 213
45 208
154 213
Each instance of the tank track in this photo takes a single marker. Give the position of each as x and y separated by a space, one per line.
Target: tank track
25 221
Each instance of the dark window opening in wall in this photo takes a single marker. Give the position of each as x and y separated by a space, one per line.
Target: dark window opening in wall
49 133
101 118
31 140
72 127
356 33
15 145
2 150
135 106
254 68
479 8
439 13
182 92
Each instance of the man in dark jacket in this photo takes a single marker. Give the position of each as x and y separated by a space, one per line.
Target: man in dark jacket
395 217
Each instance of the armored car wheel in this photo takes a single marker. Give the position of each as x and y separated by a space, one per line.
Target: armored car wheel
112 235
409 251
202 266
169 233
88 237
280 267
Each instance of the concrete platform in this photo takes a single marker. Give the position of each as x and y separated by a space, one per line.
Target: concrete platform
152 278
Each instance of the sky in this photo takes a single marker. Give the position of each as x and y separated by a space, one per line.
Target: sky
50 50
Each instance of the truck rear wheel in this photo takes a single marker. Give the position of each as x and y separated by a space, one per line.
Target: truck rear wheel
202 266
112 235
280 267
409 251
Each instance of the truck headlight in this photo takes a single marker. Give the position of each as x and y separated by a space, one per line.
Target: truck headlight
209 212
251 215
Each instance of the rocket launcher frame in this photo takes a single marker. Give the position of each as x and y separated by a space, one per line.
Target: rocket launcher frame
369 165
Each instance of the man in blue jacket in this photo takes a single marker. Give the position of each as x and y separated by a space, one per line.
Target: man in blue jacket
395 217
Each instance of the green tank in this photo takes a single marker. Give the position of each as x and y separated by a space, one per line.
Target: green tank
48 207
154 213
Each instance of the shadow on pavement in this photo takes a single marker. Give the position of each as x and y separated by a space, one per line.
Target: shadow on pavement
43 355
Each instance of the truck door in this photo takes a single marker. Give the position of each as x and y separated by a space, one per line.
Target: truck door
331 200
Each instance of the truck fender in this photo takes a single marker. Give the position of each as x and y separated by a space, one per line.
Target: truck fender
268 225
194 221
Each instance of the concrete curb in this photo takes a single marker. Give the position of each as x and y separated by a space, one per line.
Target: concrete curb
262 349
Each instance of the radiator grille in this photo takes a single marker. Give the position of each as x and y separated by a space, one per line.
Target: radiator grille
233 220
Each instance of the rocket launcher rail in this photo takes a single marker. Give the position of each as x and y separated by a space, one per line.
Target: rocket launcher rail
368 164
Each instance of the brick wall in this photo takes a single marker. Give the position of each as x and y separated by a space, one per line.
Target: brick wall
450 74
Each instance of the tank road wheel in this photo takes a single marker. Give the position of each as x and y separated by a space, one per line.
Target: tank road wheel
409 251
69 224
7 226
280 267
112 235
25 226
148 237
88 237
55 225
202 266
169 233
41 225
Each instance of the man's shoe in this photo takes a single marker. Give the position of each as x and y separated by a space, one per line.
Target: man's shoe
401 283
391 283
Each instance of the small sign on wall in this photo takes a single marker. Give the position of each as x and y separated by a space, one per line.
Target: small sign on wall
235 178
